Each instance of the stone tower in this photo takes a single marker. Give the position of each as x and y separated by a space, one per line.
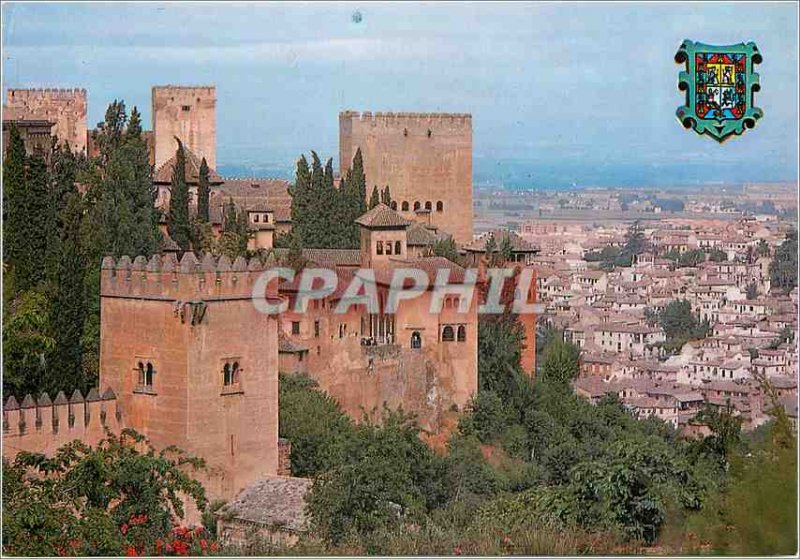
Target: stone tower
193 363
64 107
188 113
426 159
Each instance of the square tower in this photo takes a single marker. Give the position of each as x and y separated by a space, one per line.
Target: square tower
188 113
425 158
194 362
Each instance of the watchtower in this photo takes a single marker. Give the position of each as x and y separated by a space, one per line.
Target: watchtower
188 113
193 362
425 158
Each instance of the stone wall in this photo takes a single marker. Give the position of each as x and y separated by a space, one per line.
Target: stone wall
422 157
65 107
45 424
188 113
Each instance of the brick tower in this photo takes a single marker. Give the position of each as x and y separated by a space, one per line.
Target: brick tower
188 113
193 363
65 107
426 159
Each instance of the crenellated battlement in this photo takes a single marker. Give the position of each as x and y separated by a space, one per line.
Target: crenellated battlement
44 424
160 92
409 124
164 277
369 115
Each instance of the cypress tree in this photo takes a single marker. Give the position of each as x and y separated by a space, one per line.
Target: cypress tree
301 198
30 218
375 199
178 223
203 192
387 196
359 186
317 221
68 309
13 199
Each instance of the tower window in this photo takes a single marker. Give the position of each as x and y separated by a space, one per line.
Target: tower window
462 333
417 206
186 108
316 328
379 247
439 206
428 205
405 206
295 328
230 374
397 247
145 373
447 334
389 248
394 205
416 340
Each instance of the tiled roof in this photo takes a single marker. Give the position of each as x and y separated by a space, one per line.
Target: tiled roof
277 502
518 244
254 195
419 235
327 257
163 174
383 216
286 345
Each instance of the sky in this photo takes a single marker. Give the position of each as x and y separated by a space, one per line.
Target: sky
561 93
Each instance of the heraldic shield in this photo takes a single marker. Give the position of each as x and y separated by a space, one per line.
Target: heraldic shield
720 87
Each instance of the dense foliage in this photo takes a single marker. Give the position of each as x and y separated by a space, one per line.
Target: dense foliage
118 498
323 216
783 268
54 238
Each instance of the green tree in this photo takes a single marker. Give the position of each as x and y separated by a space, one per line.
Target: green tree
717 255
386 196
783 268
726 431
203 192
68 309
375 198
27 343
507 249
762 248
178 221
302 200
446 248
751 291
117 498
235 231
560 365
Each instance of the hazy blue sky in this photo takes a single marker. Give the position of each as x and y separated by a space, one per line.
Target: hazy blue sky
559 93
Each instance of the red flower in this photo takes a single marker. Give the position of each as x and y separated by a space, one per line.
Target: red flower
180 547
159 546
138 519
456 550
131 552
199 530
215 547
203 544
123 529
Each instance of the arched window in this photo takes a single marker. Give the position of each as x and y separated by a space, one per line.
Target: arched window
140 368
230 373
416 340
404 206
394 205
416 206
148 374
428 205
462 333
439 206
447 334
397 247
379 247
389 247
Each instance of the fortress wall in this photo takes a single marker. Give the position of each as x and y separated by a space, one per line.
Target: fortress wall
65 107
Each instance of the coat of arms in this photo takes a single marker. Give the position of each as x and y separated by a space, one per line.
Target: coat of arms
720 87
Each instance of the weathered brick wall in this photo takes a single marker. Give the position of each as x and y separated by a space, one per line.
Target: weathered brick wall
65 107
188 113
422 157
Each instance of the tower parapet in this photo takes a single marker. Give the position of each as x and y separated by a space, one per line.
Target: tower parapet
189 114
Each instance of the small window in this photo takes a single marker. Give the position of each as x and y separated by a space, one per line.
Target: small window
428 205
439 206
394 205
417 206
256 218
462 333
397 247
447 334
379 247
186 108
145 373
404 206
416 340
389 248
295 328
316 328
